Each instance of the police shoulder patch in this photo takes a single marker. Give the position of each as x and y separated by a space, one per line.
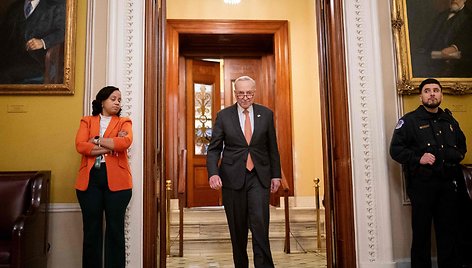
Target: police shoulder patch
399 124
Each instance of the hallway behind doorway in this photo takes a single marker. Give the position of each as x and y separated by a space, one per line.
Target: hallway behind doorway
224 260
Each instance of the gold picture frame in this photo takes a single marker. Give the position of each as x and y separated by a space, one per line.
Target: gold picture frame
54 75
413 24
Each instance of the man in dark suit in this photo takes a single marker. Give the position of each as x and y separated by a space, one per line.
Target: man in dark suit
28 30
248 173
447 48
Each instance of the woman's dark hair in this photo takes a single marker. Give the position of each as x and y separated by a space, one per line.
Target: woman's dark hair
102 95
429 81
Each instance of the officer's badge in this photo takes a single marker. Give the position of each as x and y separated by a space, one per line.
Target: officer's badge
399 124
424 126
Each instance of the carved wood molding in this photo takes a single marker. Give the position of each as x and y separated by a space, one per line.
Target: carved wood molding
336 158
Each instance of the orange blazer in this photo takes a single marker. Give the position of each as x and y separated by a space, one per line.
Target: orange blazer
118 171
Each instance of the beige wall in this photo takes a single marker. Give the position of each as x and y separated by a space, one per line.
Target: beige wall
307 144
42 138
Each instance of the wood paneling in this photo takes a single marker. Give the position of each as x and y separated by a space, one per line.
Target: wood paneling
199 192
224 45
154 212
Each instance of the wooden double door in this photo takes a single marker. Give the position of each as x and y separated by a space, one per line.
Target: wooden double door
208 89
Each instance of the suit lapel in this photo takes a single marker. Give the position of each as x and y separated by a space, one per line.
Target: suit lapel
235 120
257 121
95 126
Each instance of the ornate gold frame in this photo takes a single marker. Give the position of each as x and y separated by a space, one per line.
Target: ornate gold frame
67 87
406 83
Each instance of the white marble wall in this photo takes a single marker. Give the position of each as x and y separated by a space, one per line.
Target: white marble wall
115 56
372 107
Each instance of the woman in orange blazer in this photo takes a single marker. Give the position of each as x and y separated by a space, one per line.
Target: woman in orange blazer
104 180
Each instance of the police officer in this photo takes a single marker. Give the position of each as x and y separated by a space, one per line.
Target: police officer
429 144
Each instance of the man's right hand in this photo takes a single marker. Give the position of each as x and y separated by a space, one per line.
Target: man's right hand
34 44
449 50
215 182
427 159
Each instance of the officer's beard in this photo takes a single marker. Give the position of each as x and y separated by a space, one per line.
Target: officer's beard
431 105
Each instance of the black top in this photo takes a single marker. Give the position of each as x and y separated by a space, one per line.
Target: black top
420 132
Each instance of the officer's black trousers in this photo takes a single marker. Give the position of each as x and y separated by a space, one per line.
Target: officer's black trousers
433 201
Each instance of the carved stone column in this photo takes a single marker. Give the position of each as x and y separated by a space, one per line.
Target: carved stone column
124 68
370 74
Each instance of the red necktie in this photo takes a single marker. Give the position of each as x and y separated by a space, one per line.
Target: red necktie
248 135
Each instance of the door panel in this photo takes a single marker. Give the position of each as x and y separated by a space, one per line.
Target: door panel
236 67
203 102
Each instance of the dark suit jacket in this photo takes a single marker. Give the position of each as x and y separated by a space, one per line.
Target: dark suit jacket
444 33
228 137
47 22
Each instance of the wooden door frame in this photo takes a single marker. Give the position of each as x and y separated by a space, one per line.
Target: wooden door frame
337 164
154 212
279 30
340 229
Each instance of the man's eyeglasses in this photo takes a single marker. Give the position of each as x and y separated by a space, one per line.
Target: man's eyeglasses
241 95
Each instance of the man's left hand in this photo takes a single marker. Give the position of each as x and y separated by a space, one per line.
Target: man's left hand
274 185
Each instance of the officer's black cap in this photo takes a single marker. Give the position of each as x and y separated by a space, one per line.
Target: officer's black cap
429 81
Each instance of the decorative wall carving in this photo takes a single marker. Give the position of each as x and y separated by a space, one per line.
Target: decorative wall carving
362 86
124 69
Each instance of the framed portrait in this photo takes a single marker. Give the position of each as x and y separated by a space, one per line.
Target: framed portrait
433 39
37 47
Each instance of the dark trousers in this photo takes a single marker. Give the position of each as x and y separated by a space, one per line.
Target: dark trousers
465 227
433 201
93 202
248 208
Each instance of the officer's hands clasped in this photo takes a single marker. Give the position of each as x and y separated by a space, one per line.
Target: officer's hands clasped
427 159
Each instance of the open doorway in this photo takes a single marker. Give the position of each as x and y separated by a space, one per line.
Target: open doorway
208 89
331 50
246 48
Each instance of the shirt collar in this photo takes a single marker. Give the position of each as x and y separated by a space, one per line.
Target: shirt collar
425 114
457 11
35 3
241 109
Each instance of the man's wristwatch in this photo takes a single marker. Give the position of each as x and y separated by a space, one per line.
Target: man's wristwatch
96 140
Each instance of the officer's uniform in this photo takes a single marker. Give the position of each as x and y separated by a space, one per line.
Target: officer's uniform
431 188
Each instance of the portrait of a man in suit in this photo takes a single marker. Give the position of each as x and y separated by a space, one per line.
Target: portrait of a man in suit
440 38
28 30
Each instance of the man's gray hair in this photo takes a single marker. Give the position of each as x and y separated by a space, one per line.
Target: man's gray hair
245 78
